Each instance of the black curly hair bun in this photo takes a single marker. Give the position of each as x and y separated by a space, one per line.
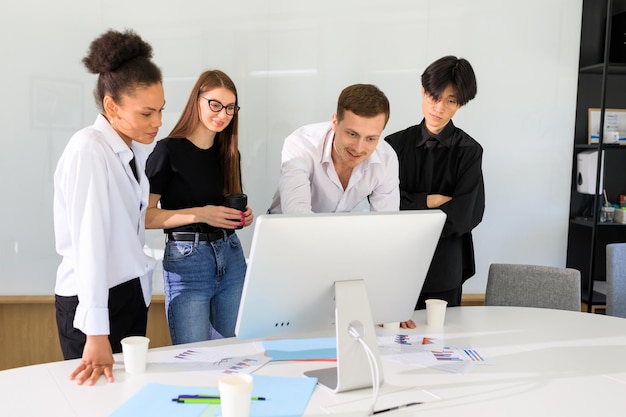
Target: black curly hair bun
113 49
123 62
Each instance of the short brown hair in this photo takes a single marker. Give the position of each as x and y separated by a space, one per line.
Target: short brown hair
364 100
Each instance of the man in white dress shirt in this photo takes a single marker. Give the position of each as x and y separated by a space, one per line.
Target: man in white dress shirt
334 166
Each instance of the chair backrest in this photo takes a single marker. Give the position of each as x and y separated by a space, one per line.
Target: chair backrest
616 279
533 286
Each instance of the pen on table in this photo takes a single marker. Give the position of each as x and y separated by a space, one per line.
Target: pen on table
205 399
217 397
214 396
197 400
395 408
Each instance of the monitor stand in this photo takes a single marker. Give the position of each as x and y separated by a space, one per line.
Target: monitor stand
352 372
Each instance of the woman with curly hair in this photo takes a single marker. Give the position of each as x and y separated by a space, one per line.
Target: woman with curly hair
103 284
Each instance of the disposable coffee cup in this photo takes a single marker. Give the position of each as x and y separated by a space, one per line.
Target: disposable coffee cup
237 201
394 326
235 395
135 351
435 312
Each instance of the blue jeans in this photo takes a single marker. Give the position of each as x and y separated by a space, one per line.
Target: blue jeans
203 286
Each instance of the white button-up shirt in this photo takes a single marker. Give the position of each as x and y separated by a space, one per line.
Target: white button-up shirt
99 222
309 183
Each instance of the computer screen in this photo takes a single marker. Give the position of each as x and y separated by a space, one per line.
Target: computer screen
296 261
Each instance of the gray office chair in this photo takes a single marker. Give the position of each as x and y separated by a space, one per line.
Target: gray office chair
533 286
616 279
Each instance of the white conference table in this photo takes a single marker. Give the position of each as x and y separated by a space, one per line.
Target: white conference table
544 363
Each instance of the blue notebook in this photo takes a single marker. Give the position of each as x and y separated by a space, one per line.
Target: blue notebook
321 348
285 397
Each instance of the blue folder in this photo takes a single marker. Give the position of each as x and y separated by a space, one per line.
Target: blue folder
285 397
320 348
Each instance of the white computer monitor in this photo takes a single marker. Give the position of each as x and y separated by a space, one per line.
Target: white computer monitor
309 273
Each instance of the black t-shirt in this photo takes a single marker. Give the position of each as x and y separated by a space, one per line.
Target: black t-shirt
186 176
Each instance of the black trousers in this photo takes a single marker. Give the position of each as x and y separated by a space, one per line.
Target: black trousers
453 297
128 316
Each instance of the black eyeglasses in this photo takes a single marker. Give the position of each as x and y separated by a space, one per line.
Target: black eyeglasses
449 102
216 106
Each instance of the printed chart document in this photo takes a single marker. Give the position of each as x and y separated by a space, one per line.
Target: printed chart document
431 351
239 358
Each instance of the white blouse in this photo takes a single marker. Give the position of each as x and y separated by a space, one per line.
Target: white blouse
99 222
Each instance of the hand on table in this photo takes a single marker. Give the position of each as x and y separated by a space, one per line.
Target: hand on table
97 360
409 324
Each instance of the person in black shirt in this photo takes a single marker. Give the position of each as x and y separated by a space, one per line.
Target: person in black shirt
441 167
190 171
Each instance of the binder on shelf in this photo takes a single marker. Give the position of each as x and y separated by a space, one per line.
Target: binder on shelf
617 47
614 125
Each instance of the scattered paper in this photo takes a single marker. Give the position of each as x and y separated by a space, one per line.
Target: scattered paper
243 358
431 351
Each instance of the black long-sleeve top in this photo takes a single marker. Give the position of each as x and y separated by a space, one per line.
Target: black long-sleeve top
457 173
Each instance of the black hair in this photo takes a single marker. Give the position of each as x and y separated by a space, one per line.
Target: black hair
453 71
123 62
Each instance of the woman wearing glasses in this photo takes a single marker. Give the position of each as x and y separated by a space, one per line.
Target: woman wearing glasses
189 172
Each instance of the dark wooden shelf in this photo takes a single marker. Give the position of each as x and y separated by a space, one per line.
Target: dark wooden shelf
589 223
605 145
600 85
613 68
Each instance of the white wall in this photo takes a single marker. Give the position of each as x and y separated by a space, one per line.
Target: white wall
290 59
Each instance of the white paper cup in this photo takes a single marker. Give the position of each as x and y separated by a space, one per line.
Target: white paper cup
435 312
394 325
135 351
235 395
